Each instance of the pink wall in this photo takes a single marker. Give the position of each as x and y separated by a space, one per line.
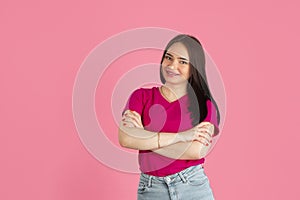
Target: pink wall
42 45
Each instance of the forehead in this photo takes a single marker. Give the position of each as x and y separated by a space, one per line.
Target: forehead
178 49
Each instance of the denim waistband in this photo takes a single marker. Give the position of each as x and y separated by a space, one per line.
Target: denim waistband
182 174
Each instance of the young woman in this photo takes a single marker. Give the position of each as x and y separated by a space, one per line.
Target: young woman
173 125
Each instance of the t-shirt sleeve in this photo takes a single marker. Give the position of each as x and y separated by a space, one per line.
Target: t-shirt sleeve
135 102
212 116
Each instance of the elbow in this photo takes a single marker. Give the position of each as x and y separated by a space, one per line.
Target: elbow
201 154
199 151
194 156
198 155
123 143
193 153
124 139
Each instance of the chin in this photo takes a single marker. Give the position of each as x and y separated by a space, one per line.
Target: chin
175 82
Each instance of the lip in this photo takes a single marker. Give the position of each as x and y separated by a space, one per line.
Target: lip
171 73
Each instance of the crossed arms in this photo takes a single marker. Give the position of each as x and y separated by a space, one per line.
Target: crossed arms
191 144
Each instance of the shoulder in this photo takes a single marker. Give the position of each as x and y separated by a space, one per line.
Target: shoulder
211 108
144 92
139 98
210 104
212 115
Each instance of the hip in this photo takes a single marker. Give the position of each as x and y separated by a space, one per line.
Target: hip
190 183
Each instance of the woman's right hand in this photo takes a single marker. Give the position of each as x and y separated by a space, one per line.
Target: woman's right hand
202 133
132 119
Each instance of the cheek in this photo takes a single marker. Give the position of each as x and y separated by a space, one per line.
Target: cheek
185 71
165 63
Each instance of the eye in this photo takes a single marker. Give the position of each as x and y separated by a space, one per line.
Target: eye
183 62
167 57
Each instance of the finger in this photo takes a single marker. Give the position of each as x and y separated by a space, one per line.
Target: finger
135 116
209 127
206 136
126 118
130 120
203 141
134 113
126 112
133 122
204 130
209 130
204 124
131 113
128 124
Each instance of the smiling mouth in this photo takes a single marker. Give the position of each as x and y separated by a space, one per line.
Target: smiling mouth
171 73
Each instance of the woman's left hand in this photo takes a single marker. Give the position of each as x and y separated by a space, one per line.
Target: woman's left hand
209 126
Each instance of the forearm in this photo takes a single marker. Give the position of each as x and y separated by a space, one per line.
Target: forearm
138 138
184 150
132 135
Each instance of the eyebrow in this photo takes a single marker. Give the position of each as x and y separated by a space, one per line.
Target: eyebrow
182 58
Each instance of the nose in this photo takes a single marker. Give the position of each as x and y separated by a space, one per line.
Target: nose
173 64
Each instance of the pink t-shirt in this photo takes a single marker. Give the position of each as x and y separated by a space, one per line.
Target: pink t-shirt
159 115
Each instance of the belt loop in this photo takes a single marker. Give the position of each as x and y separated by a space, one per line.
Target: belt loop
149 181
182 177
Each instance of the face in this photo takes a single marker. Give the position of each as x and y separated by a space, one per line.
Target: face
175 65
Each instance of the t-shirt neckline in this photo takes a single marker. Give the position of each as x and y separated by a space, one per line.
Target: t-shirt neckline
166 100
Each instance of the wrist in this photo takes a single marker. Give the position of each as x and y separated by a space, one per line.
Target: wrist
158 140
178 137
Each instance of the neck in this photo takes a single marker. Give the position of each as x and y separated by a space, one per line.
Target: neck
174 91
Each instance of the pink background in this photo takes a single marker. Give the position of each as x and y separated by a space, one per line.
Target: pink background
42 45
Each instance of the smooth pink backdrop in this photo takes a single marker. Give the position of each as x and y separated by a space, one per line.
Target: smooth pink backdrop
255 44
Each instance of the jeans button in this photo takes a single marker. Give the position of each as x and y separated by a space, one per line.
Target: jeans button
168 180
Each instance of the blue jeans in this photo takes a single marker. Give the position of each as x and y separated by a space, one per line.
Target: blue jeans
189 184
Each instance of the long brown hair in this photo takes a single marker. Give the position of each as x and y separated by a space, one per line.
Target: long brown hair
197 88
